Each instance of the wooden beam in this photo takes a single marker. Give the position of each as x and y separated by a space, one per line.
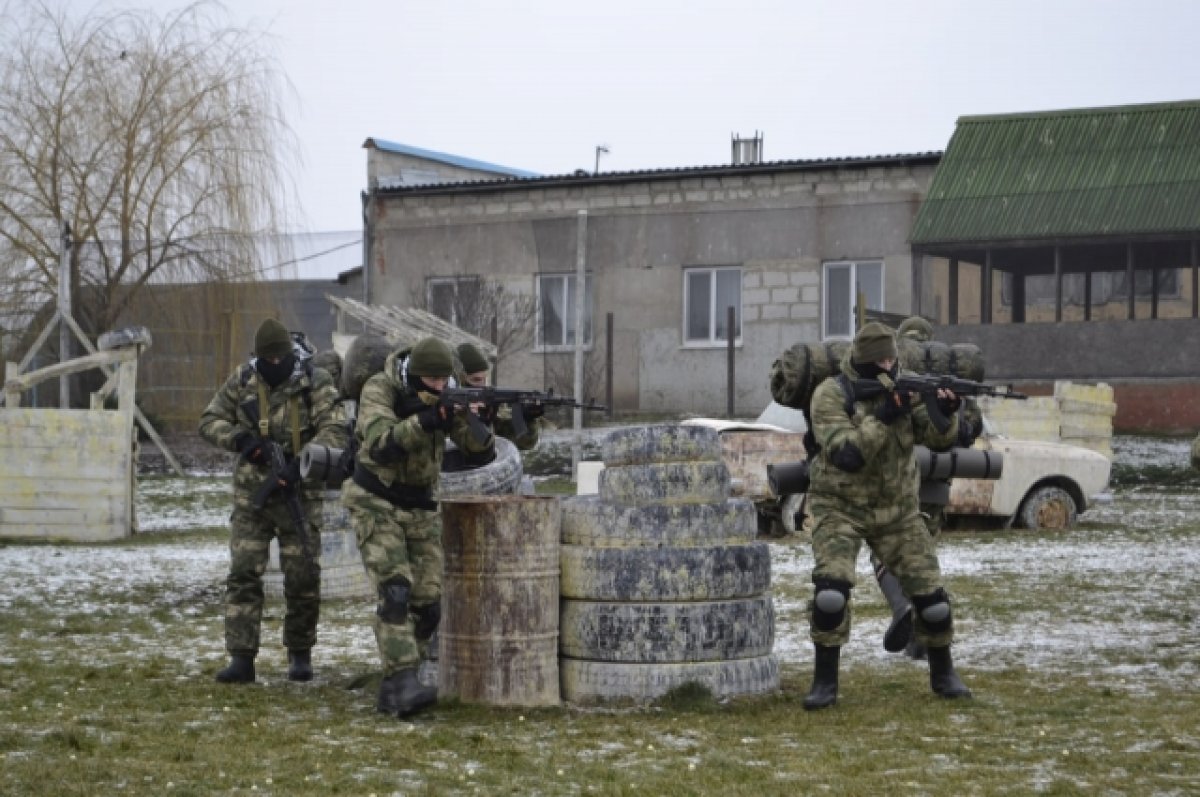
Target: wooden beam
1058 285
1131 313
952 310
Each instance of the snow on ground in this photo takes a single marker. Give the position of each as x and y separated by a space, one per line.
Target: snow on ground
1141 548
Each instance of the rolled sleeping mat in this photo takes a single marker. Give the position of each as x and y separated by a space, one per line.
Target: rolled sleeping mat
788 478
959 463
323 463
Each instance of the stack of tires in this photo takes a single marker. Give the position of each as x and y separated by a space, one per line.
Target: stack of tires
662 580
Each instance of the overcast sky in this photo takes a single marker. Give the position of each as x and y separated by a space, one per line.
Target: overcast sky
538 84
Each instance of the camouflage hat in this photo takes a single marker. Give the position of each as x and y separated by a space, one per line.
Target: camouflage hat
272 340
472 359
874 342
916 328
431 357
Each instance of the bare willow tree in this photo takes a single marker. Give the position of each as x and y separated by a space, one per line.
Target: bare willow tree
157 141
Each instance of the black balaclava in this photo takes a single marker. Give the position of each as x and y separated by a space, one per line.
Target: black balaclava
276 375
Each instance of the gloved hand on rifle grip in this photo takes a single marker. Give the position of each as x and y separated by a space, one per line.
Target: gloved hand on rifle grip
291 474
438 416
895 406
532 409
249 447
950 405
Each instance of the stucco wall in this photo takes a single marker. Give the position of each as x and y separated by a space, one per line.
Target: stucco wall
778 227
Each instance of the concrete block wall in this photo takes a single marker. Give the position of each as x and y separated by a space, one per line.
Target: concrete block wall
778 227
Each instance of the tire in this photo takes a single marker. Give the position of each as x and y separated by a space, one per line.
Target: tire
1050 508
597 681
645 445
721 572
589 521
665 483
644 633
501 476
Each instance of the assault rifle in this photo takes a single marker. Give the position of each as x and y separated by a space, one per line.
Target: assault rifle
277 466
927 387
494 397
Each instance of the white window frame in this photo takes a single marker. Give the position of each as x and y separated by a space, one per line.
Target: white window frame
589 331
455 281
853 266
711 341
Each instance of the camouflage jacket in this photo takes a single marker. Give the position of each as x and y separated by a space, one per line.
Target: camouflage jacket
317 409
863 462
395 449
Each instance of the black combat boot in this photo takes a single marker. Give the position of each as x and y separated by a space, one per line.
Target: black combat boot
942 678
402 695
239 671
823 692
300 665
897 635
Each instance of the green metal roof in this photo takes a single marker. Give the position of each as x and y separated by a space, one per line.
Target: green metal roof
1127 170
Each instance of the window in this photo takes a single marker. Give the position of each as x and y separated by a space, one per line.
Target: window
843 282
453 299
708 293
556 310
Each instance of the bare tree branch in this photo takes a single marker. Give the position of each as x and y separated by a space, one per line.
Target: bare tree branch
161 140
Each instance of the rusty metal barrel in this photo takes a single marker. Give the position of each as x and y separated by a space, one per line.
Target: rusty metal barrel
498 639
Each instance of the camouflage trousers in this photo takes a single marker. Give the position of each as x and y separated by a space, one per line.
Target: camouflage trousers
897 536
251 532
934 517
397 543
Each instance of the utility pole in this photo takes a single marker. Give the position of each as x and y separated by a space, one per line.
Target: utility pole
601 149
64 312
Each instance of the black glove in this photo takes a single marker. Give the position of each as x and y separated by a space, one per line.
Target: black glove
291 473
486 413
532 409
949 406
895 406
250 447
438 416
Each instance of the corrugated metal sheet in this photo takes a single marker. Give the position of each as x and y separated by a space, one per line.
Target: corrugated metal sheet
1078 173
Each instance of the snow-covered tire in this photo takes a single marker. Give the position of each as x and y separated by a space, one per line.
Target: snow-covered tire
596 681
665 483
587 520
720 572
644 445
666 632
501 476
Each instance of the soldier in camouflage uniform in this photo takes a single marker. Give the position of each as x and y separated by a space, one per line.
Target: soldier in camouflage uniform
471 370
402 426
295 405
898 635
864 489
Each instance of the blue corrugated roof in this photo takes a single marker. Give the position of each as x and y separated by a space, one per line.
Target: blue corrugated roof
453 160
581 176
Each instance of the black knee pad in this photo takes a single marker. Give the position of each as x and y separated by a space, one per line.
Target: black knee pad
428 617
934 610
830 597
393 596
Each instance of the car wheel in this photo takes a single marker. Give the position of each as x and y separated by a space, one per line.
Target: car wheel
1048 508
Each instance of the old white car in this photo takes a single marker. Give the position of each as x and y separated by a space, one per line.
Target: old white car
1041 485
